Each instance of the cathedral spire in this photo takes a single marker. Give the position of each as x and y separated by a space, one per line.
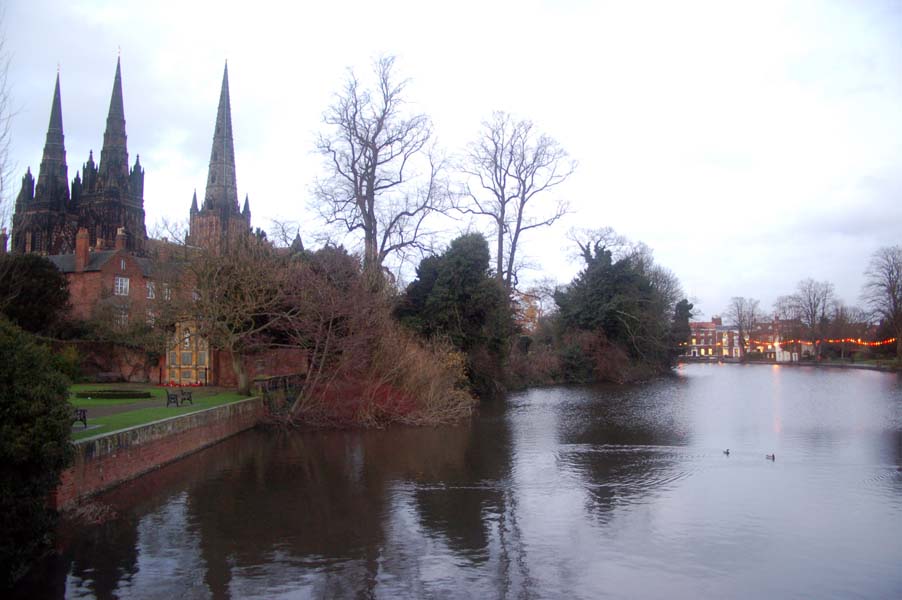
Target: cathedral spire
222 191
114 154
53 179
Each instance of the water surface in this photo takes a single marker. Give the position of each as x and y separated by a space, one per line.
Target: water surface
564 492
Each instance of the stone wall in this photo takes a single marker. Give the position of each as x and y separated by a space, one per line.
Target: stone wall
107 460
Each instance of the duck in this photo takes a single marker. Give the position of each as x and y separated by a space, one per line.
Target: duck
770 456
727 451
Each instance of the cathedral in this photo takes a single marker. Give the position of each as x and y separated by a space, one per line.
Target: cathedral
106 199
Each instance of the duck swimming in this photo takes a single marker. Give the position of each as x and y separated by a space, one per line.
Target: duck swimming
770 456
727 451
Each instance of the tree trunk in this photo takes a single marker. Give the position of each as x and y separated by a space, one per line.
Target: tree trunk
244 387
500 256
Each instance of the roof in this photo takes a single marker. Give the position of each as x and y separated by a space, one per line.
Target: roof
96 261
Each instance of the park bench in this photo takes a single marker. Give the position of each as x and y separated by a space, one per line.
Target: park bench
186 397
171 398
80 414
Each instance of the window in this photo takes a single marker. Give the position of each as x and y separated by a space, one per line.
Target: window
122 316
122 264
151 290
167 292
186 342
173 358
202 358
120 286
186 358
151 317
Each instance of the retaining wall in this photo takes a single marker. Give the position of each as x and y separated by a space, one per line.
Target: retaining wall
104 461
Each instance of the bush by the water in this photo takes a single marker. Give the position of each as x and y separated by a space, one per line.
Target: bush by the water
35 424
365 370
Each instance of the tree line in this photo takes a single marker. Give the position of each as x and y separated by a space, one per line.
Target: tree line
814 313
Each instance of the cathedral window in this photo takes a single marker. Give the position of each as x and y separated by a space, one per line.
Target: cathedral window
120 286
151 290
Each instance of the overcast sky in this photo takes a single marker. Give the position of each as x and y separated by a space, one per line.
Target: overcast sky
750 144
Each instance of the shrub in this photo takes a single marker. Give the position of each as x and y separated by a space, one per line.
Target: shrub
34 294
35 424
114 394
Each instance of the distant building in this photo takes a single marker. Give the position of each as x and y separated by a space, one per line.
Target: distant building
703 338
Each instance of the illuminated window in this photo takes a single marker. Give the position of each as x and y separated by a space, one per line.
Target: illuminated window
120 286
693 341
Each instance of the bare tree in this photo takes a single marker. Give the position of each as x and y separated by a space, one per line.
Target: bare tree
237 300
384 178
883 290
811 304
507 167
5 130
173 231
847 322
785 307
745 315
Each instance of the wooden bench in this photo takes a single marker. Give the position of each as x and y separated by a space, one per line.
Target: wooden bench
171 398
80 414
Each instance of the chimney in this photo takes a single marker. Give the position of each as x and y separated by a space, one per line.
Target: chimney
3 238
82 247
120 238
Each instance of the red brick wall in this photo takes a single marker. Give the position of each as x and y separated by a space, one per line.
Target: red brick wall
271 363
105 461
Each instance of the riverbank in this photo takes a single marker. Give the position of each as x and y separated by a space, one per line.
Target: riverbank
106 460
888 367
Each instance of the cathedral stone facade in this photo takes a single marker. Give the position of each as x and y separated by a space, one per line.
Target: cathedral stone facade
105 199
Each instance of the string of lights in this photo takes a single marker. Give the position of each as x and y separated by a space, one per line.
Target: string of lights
857 341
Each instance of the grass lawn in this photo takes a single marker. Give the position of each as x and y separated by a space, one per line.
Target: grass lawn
140 416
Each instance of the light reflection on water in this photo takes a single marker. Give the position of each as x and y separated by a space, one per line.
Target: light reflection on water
589 492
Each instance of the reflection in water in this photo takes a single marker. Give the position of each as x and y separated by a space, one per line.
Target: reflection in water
557 492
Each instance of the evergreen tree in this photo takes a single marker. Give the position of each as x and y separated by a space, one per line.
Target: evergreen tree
33 293
680 331
35 424
455 297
